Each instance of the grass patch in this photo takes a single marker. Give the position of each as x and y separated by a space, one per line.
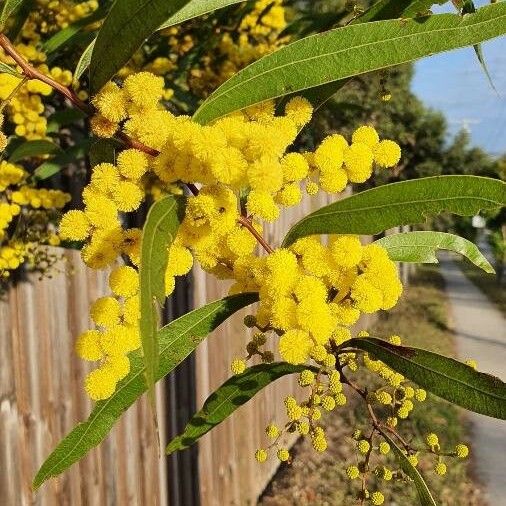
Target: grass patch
320 479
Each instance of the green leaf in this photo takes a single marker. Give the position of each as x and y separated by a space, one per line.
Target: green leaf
7 69
159 231
424 494
195 8
56 164
103 151
62 37
34 148
9 8
63 118
235 392
403 203
446 377
84 61
421 247
177 340
347 52
125 28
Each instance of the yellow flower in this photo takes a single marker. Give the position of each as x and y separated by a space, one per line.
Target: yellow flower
111 102
127 196
75 226
294 167
102 127
124 281
366 135
87 345
299 110
328 157
261 204
105 311
387 154
358 160
132 164
100 383
295 346
144 89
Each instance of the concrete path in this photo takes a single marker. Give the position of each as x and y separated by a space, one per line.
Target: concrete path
481 335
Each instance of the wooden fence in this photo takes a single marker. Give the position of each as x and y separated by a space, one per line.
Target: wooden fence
42 398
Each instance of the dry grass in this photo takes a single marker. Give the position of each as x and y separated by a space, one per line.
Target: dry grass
319 479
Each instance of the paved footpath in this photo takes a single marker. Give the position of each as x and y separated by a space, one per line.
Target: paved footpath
481 335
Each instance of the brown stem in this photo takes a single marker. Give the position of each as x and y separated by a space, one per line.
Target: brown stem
246 223
31 72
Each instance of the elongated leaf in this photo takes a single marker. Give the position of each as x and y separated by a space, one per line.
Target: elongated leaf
235 392
195 8
84 60
9 8
421 247
7 69
159 231
424 494
350 51
177 340
103 151
125 28
62 37
34 148
403 203
446 377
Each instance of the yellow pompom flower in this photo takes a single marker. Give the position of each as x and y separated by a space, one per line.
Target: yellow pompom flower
240 241
384 448
329 155
100 383
299 110
295 346
319 443
346 250
432 440
120 340
265 175
363 446
88 345
124 281
102 127
111 102
144 89
334 182
387 154
106 311
75 226
377 498
358 160
272 431
105 177
132 164
261 455
462 451
261 204
366 135
101 211
238 366
352 472
312 188
440 469
118 366
294 167
127 196
180 260
170 283
131 244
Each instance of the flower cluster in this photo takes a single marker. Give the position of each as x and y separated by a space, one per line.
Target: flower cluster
27 220
310 293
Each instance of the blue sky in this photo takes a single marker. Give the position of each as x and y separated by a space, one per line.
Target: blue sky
455 83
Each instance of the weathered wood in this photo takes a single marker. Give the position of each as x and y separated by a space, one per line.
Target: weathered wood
42 398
